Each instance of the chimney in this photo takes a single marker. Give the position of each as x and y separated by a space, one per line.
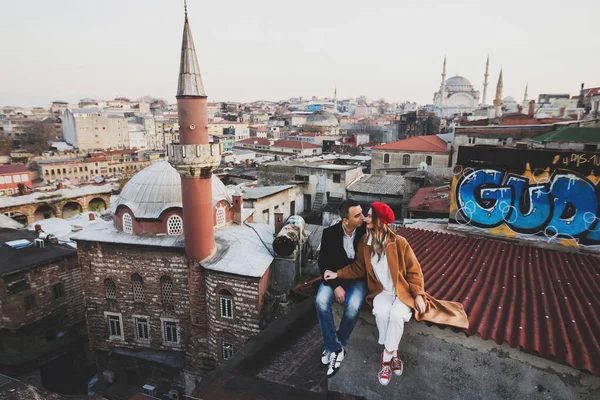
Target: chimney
91 216
563 112
531 110
278 221
38 228
520 107
238 205
59 185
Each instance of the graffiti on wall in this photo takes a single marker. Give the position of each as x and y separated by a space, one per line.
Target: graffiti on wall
560 206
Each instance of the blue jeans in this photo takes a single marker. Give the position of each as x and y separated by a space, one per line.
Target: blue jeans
356 291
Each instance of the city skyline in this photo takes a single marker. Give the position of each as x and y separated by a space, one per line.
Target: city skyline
262 52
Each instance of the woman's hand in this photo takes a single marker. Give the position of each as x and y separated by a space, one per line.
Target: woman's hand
328 275
420 304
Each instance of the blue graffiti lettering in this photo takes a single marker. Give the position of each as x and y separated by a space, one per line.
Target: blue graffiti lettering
567 206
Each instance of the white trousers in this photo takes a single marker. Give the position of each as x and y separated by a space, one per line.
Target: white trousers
390 315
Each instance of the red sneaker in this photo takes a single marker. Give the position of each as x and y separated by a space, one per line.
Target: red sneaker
397 365
385 372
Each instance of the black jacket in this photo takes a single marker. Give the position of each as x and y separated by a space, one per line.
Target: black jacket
332 255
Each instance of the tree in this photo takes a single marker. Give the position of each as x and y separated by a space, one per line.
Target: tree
39 134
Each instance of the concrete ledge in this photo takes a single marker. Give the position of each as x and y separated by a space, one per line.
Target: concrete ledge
441 363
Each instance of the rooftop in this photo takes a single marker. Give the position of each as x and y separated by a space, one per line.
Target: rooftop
540 300
14 260
12 169
430 143
61 194
259 192
392 185
571 134
433 199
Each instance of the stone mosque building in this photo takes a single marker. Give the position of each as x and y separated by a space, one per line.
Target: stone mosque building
457 96
176 285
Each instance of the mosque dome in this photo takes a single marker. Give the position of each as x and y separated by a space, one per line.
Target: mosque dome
509 99
157 188
322 119
458 84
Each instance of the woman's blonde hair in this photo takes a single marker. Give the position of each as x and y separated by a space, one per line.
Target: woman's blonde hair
379 235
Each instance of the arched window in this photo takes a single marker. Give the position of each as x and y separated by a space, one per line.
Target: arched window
406 159
138 288
428 160
386 158
175 225
221 216
226 304
166 289
127 223
110 289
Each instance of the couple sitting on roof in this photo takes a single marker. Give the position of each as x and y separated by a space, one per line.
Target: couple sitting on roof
364 259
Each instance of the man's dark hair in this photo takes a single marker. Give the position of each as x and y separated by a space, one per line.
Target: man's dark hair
345 207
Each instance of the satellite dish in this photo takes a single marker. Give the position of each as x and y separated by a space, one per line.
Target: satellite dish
422 166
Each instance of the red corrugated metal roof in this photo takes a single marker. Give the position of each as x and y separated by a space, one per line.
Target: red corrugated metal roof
430 143
433 199
542 301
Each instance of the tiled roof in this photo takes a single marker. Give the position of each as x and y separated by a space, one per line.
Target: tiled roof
295 144
12 169
392 185
542 301
255 140
432 199
418 143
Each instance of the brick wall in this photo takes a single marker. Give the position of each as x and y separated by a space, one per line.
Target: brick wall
244 324
39 282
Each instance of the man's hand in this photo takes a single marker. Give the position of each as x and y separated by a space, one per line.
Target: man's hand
340 294
420 304
329 275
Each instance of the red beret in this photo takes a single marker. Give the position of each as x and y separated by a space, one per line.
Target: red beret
384 212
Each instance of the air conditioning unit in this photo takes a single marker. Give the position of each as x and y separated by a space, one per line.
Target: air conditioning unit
108 377
149 390
173 394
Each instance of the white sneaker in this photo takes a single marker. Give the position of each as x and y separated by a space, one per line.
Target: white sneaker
325 357
335 361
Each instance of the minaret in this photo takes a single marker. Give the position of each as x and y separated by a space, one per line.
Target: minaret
498 99
525 96
485 80
194 157
335 98
443 89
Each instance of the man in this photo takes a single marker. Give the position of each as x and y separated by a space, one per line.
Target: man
338 249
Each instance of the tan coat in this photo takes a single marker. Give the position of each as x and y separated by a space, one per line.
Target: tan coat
408 281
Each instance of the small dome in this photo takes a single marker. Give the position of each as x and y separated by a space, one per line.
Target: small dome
458 84
157 188
509 99
322 119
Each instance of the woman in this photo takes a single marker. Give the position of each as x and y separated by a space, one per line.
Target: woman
396 288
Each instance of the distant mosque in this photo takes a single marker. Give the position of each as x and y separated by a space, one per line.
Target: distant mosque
457 96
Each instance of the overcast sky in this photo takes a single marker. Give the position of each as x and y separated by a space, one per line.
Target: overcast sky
274 50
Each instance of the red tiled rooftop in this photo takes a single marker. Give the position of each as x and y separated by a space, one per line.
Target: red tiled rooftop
543 301
295 144
430 143
12 169
433 199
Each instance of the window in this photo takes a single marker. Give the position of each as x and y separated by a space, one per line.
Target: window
17 178
406 159
265 214
142 330
226 350
590 147
337 178
58 290
7 179
29 302
170 332
428 160
115 326
221 216
226 304
2 179
386 158
174 225
110 289
127 223
166 289
138 288
472 140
